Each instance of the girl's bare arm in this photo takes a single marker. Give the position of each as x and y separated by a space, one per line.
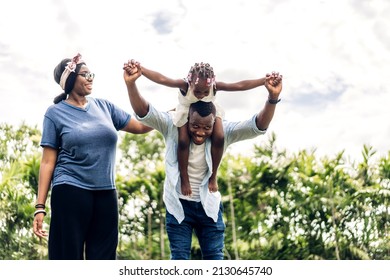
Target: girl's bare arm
241 85
163 80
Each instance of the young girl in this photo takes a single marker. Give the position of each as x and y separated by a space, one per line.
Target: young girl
200 84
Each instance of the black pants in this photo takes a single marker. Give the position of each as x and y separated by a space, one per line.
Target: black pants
84 224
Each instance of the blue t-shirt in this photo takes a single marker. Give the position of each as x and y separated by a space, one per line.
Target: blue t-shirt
86 141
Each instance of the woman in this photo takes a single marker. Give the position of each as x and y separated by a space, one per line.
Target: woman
79 141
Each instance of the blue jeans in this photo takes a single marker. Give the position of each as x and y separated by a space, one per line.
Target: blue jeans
209 233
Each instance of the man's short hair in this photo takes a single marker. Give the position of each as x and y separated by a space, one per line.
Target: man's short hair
203 108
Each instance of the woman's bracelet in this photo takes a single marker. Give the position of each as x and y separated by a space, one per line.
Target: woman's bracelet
40 206
40 211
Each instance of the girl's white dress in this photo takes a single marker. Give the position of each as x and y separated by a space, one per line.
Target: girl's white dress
181 113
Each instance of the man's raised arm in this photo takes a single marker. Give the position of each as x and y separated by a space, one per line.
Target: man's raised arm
130 74
273 83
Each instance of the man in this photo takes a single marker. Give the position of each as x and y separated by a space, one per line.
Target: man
202 211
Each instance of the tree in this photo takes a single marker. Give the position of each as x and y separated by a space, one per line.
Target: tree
305 207
19 164
276 205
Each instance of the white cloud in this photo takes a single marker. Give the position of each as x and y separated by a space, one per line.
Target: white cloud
334 56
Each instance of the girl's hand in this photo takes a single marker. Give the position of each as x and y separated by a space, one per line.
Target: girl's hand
273 83
132 71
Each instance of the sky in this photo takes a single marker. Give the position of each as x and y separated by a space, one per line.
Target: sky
334 56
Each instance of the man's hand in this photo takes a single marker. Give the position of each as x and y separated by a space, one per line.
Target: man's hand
132 71
273 83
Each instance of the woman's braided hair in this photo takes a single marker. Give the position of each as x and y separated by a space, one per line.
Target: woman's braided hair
202 71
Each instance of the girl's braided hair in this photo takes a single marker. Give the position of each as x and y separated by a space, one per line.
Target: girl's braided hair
203 71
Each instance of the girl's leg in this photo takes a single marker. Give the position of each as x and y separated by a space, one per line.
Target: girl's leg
217 143
183 150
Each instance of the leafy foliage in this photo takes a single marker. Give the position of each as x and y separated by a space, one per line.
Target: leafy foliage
18 185
276 205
